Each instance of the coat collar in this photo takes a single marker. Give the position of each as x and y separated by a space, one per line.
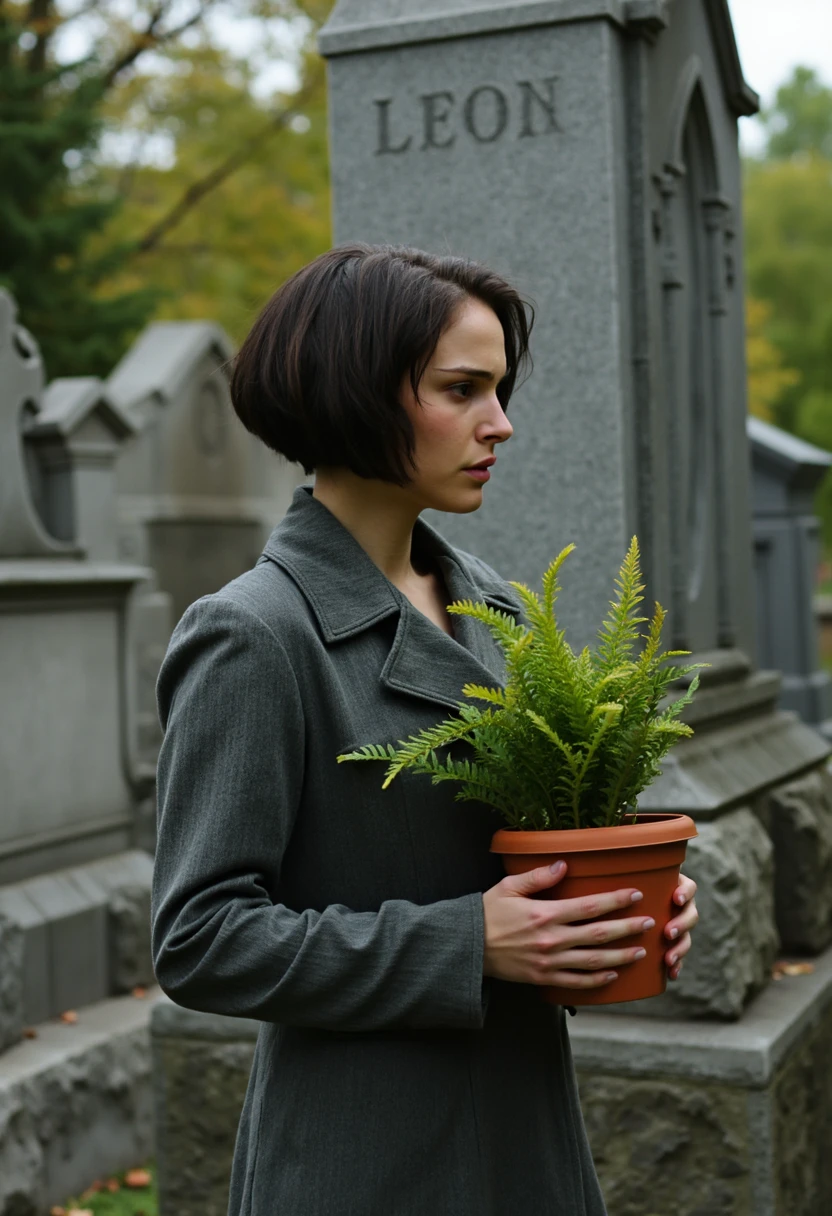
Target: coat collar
347 594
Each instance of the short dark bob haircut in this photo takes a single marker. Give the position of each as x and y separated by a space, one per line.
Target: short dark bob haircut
318 378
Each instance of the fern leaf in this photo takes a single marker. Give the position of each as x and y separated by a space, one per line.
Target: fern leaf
478 692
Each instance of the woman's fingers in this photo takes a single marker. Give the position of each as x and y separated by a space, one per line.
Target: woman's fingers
590 907
674 956
533 881
597 932
683 923
598 960
582 979
685 891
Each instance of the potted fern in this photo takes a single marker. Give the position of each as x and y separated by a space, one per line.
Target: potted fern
562 752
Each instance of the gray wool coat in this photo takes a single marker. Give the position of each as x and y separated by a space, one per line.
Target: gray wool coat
389 1078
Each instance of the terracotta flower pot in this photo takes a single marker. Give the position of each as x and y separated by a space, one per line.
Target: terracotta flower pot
646 854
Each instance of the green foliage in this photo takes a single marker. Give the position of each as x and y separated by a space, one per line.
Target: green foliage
49 211
800 121
788 257
221 254
572 739
101 1200
154 176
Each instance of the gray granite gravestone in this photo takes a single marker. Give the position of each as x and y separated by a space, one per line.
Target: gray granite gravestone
197 495
786 472
74 892
67 733
588 150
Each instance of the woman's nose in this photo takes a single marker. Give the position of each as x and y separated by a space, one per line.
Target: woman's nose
499 427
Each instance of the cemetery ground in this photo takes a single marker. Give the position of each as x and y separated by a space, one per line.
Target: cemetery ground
133 1193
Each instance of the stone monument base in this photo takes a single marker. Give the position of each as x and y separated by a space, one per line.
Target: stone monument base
707 1119
201 1064
685 1118
75 1104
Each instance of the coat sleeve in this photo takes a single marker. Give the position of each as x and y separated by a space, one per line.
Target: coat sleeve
229 786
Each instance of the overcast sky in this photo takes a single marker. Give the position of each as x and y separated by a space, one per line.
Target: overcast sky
773 36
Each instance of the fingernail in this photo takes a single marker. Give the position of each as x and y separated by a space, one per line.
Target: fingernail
558 867
674 958
636 896
649 923
612 975
673 934
640 953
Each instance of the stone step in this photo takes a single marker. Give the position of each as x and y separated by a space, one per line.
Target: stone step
713 1117
71 937
75 1104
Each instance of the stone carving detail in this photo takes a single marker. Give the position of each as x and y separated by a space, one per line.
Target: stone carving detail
693 227
21 375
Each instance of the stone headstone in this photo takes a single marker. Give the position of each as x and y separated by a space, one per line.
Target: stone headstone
786 472
588 150
22 532
71 444
197 494
68 772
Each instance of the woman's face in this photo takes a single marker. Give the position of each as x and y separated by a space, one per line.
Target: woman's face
458 420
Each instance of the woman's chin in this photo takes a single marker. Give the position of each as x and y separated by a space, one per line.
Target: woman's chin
456 502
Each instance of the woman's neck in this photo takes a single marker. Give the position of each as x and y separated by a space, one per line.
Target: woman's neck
379 515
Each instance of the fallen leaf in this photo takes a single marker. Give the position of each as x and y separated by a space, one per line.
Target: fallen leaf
112 1185
139 992
783 968
57 1211
137 1178
80 1212
69 1016
92 1189
29 1032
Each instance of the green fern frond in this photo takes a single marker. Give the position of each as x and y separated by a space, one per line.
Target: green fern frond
572 739
479 692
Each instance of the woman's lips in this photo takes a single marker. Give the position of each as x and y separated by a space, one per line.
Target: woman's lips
478 474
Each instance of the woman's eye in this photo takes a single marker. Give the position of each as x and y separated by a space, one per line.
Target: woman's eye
462 390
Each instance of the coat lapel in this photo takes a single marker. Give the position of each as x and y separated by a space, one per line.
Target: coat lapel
348 594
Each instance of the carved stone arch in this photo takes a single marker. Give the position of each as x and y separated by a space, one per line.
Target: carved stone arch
689 91
693 313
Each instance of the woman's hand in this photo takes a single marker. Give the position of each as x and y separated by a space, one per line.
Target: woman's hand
678 929
534 941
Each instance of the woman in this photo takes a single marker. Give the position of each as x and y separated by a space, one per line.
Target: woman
407 1065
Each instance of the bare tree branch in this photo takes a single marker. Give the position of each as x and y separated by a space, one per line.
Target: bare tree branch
150 37
203 186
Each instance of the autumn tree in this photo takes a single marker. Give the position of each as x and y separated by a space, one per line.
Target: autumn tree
788 239
143 170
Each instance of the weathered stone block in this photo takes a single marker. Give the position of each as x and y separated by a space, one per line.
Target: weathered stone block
75 1103
802 1126
126 879
736 940
799 819
76 920
703 1119
201 1065
11 982
666 1145
19 909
